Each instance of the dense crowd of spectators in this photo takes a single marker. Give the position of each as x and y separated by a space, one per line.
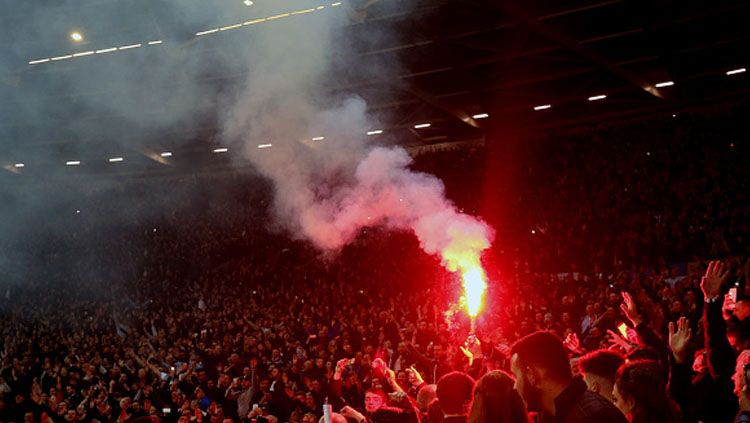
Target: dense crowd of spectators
202 311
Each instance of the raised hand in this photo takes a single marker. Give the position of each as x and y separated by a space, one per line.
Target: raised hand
474 346
618 341
679 339
468 354
572 343
630 309
340 366
716 275
352 414
379 364
414 377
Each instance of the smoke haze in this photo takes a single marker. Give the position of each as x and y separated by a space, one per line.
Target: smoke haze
276 82
328 190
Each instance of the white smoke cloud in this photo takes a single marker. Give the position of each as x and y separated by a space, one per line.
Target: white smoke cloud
327 191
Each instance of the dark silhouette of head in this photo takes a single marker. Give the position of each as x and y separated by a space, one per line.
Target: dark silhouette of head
454 393
540 364
641 393
434 412
495 400
388 414
599 370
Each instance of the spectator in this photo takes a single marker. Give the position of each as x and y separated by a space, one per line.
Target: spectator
720 404
544 379
495 400
158 313
454 393
599 369
641 394
425 396
374 399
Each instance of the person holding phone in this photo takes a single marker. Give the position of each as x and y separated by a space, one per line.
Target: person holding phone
721 356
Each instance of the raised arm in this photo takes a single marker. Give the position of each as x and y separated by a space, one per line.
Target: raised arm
680 376
720 354
646 335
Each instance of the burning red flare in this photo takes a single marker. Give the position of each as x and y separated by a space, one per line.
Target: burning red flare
462 255
475 285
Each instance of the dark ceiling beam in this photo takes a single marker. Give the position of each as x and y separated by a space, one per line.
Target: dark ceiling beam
505 85
440 104
712 12
725 99
493 59
578 48
579 9
512 84
491 29
510 24
517 83
360 13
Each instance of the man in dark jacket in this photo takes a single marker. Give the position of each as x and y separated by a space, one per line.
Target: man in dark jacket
719 405
545 381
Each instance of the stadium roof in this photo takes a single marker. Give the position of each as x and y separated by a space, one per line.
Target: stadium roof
462 64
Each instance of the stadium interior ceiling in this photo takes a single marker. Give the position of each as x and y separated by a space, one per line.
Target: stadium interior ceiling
544 63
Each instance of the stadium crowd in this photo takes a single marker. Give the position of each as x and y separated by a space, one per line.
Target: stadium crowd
611 310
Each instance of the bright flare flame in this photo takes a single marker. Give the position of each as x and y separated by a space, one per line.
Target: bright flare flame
475 286
462 255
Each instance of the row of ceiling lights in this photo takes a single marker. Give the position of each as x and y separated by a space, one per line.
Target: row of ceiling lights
219 150
118 159
373 132
663 84
380 131
78 37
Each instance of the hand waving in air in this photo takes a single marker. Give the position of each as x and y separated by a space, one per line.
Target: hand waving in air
679 339
630 309
716 275
572 343
617 341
